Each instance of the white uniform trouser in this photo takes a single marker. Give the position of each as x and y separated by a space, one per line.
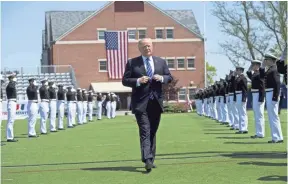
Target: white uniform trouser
53 111
258 108
219 109
11 108
225 117
211 107
205 107
197 106
90 110
84 114
113 109
71 113
99 109
228 109
236 115
61 112
201 106
32 109
272 109
243 119
215 114
1 113
44 110
108 108
231 110
79 112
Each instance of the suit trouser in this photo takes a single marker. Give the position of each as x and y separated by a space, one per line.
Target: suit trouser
11 108
61 112
53 111
243 119
274 121
32 109
258 108
79 112
231 110
84 118
148 123
90 110
44 110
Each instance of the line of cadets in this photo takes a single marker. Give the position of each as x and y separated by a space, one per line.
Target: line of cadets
51 102
226 100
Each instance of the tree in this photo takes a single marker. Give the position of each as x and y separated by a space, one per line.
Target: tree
210 74
170 90
252 28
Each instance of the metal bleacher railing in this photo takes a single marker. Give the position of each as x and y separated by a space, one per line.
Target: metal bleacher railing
60 74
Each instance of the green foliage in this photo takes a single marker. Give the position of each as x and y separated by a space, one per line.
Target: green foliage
176 107
211 73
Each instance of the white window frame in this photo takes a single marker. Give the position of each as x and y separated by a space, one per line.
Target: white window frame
177 63
166 28
185 94
98 30
193 57
159 28
141 29
168 58
134 29
99 60
192 87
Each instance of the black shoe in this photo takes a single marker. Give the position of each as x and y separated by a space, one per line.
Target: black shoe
43 133
70 126
33 136
12 140
54 131
61 129
245 132
148 165
238 132
280 141
256 136
232 128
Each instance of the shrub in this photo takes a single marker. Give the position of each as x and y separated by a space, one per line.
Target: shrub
176 107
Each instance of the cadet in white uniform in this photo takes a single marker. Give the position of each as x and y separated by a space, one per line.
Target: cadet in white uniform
32 107
258 95
53 106
272 88
11 107
85 103
61 106
44 105
79 106
90 105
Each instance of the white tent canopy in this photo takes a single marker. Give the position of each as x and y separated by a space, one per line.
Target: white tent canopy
115 87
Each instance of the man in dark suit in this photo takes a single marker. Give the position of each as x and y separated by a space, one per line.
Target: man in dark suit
145 75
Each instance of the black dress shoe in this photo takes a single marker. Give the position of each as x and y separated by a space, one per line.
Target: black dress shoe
256 136
43 133
245 132
33 136
70 126
148 165
280 141
240 132
61 129
54 131
12 140
154 166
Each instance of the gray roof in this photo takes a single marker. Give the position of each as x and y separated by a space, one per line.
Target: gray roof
58 23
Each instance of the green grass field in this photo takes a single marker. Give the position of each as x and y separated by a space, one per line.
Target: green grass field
190 150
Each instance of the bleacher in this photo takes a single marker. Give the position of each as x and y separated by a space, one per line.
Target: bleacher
65 78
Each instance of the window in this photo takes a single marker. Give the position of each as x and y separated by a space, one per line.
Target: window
181 63
170 63
191 93
159 33
191 62
132 34
182 94
169 33
101 35
103 65
141 34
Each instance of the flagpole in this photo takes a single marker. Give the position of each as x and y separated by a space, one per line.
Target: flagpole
204 31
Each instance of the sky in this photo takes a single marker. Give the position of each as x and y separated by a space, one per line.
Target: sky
22 24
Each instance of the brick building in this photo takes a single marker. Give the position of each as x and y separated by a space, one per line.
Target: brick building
76 38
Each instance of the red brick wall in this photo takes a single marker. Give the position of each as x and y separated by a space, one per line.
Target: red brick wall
84 57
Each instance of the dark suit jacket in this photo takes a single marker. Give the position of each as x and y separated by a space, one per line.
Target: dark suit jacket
135 69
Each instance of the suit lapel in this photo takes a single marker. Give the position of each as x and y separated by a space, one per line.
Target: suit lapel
156 68
142 66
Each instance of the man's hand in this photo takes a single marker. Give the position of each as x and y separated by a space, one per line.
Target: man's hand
144 79
157 77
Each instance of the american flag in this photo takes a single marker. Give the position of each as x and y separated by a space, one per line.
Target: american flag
116 43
